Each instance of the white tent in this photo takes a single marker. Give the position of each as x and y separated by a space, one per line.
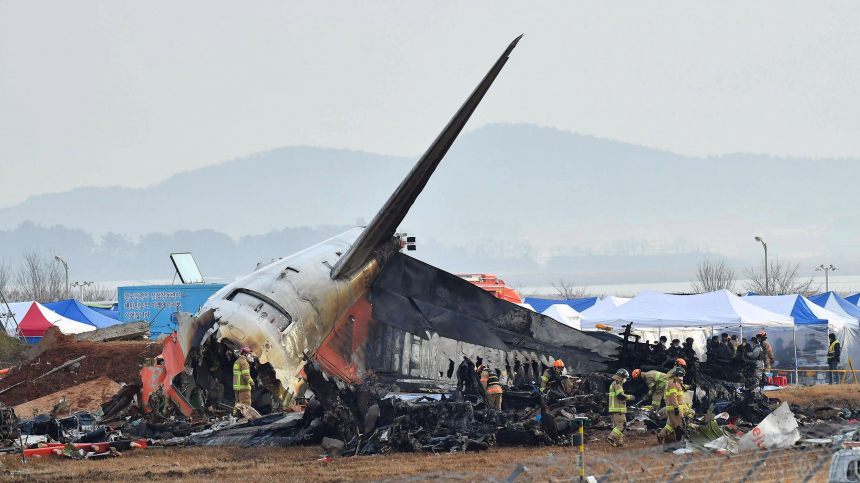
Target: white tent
681 316
712 310
603 306
813 323
18 310
565 314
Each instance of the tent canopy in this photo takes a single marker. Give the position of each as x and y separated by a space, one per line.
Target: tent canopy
853 298
576 304
564 314
39 319
72 309
604 306
798 307
715 309
834 303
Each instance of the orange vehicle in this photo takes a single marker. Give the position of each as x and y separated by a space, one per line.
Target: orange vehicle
491 283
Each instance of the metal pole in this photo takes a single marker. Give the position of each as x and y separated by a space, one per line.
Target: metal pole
82 293
796 363
68 292
766 275
582 452
827 279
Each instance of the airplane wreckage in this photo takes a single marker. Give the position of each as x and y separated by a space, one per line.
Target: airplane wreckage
359 307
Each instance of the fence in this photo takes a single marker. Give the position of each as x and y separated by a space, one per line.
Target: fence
647 465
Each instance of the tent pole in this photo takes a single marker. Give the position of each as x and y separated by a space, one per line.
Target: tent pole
794 334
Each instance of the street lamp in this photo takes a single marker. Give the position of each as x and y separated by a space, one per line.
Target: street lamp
826 271
82 285
766 284
60 259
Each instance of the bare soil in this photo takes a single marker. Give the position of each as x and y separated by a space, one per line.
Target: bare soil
120 361
813 397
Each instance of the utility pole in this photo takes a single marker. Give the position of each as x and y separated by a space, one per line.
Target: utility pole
826 271
766 275
60 259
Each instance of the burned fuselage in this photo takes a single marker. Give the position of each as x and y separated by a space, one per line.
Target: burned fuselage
357 306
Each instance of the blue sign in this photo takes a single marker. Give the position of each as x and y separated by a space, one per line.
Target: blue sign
160 304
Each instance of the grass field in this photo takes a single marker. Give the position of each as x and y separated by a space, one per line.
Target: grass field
641 460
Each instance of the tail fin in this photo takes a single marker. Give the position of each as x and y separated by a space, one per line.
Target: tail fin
386 221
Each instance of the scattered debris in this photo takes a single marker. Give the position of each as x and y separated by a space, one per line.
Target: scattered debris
127 331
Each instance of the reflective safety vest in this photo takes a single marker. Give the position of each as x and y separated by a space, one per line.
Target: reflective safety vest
549 379
241 374
656 380
493 386
674 395
617 398
831 352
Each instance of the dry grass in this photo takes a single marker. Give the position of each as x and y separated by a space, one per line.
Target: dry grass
641 460
811 397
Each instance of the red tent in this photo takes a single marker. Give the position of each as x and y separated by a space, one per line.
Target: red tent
34 323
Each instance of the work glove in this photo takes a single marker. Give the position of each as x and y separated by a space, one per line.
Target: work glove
630 398
687 387
677 412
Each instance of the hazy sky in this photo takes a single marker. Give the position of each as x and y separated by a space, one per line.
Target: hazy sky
106 93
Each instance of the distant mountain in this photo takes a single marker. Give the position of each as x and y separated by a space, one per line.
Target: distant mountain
521 182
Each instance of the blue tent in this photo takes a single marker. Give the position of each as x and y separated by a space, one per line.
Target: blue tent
114 314
834 303
576 304
853 298
72 309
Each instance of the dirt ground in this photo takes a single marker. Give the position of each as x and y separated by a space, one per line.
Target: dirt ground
120 361
641 461
812 397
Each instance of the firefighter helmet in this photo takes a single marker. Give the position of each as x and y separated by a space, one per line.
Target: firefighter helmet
558 363
622 373
679 362
245 350
678 372
636 373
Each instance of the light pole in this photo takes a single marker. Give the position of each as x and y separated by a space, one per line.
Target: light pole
60 259
826 271
766 282
82 285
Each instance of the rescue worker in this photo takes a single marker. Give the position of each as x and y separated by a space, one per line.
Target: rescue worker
768 351
483 375
834 353
618 407
551 377
493 388
757 355
735 343
242 382
656 382
676 410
